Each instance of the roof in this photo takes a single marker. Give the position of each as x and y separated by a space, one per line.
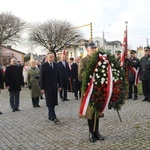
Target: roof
113 42
12 49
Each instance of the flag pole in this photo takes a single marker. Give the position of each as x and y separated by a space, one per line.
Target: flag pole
126 46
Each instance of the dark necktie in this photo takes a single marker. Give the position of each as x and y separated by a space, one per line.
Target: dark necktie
51 65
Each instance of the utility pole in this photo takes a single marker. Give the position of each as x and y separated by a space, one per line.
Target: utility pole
126 45
103 41
147 41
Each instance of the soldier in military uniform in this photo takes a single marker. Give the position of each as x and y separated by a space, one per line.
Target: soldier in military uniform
118 56
145 74
93 135
132 71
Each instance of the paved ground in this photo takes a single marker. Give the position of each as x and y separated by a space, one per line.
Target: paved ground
30 128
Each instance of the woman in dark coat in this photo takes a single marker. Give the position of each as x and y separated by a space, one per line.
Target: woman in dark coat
50 83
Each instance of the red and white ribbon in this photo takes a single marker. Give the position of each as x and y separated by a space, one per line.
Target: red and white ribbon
109 82
87 96
136 73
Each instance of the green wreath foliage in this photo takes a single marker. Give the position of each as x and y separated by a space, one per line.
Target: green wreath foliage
119 87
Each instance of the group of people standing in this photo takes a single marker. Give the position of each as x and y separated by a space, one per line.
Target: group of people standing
137 69
52 77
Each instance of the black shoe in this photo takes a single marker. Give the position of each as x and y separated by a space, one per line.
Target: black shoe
66 99
148 100
76 98
55 120
129 97
38 106
92 137
13 109
98 136
135 98
1 113
145 99
17 109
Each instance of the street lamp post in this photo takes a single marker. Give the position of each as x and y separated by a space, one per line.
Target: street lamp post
104 36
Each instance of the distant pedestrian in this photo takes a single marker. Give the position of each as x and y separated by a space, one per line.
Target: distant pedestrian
33 83
1 83
118 56
75 82
50 82
145 74
25 73
65 75
14 81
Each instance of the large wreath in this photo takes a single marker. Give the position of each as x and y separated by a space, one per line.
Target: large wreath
103 83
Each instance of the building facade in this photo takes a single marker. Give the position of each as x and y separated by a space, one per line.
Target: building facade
6 53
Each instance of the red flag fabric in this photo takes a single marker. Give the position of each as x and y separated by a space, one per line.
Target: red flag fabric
124 54
64 52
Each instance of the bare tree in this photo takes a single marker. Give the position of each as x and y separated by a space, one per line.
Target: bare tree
53 35
10 28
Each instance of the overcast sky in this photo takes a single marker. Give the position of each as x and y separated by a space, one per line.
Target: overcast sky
106 15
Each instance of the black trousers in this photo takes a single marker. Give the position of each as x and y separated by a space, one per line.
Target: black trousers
146 89
63 93
14 99
35 101
91 125
131 87
51 112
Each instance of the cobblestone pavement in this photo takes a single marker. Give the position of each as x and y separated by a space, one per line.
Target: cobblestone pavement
30 128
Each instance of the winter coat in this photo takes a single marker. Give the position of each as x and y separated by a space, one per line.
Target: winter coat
33 82
50 80
82 65
14 78
145 68
134 63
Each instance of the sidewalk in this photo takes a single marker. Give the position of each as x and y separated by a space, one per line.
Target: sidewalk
30 128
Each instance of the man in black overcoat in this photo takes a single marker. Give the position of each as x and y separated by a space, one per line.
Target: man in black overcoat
1 83
75 82
65 76
50 82
14 81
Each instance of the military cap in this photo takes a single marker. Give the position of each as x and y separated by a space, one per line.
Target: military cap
147 48
133 51
71 58
91 44
118 52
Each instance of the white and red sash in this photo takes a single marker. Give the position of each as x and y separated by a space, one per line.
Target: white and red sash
136 73
87 96
25 68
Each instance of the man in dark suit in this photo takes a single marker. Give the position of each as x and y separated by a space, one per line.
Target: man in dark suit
14 81
1 83
50 82
75 82
65 76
